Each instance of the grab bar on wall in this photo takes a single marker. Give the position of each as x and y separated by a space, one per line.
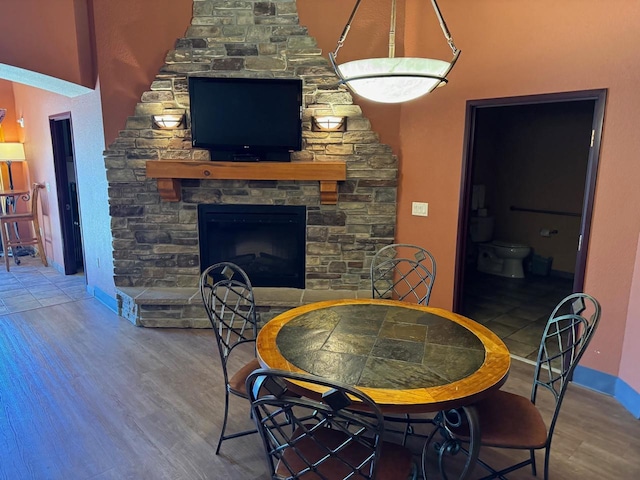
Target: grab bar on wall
549 212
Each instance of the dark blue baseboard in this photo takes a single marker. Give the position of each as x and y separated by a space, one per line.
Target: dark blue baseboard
609 385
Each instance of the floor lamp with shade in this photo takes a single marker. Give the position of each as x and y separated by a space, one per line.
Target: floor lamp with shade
11 152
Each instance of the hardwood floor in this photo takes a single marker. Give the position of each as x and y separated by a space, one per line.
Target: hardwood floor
86 395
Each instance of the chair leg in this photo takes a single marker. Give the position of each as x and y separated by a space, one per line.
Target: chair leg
546 463
407 429
224 437
43 255
5 244
533 462
224 421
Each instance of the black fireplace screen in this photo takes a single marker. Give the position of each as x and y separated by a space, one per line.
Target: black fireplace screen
267 241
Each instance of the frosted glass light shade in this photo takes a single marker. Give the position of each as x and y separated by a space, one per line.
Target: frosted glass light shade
393 80
166 120
329 123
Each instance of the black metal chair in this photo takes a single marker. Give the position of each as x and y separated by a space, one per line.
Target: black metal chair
404 272
228 299
321 438
512 421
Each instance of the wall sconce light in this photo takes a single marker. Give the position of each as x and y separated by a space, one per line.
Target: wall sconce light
167 121
21 121
328 123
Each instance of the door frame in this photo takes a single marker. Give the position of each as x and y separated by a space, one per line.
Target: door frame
64 200
599 96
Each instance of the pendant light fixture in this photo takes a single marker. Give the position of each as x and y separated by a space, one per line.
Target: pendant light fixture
394 79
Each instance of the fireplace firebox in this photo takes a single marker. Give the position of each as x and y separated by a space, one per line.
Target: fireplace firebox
267 241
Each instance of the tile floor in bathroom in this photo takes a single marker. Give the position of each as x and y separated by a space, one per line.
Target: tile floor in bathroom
31 285
515 309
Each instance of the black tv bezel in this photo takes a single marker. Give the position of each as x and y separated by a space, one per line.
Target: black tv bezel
250 151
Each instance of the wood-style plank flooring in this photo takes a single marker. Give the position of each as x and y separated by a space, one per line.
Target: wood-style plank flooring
86 395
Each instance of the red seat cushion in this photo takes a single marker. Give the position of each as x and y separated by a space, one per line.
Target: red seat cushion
395 462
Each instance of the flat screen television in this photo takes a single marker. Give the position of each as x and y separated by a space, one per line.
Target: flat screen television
246 119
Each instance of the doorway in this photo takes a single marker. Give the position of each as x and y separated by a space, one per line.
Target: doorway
66 185
529 172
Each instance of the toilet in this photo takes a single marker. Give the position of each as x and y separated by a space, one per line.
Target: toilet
497 257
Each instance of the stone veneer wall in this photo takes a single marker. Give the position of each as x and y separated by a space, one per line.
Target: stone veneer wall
156 242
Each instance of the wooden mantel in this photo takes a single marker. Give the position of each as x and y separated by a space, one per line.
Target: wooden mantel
170 172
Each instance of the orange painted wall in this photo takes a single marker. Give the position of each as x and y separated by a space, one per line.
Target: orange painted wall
512 49
9 125
529 51
130 44
58 42
132 39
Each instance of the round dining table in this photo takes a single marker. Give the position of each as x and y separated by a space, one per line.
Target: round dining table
408 358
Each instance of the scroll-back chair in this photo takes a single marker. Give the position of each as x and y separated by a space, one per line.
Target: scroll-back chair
229 302
321 438
403 272
12 240
512 421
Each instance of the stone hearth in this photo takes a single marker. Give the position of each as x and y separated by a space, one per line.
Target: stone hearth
182 307
155 241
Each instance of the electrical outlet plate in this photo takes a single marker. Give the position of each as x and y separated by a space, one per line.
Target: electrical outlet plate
420 209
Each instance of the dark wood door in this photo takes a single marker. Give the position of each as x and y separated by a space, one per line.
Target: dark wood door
64 164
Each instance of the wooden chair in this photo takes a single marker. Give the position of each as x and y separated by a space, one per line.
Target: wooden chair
228 299
12 241
512 421
322 439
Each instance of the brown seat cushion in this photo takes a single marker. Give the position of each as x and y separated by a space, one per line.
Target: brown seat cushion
237 381
509 420
394 464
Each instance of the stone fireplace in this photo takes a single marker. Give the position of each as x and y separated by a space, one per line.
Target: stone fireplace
158 181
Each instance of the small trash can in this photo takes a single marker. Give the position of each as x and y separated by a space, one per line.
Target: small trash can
541 265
